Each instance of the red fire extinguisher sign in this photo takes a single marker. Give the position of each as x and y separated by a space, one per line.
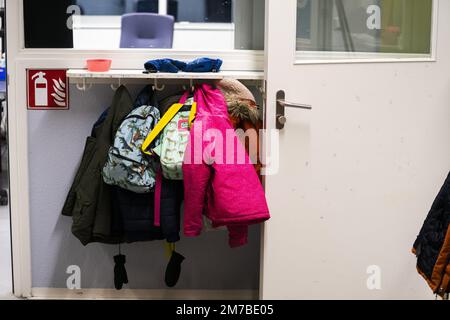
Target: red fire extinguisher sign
47 89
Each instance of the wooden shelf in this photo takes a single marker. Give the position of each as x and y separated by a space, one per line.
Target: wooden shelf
75 75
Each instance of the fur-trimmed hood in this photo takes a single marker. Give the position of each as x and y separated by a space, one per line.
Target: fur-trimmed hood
243 112
240 101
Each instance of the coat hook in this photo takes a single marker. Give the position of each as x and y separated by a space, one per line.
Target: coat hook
79 87
155 86
83 87
115 88
191 85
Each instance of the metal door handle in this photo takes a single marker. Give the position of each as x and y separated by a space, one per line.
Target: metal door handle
285 103
282 104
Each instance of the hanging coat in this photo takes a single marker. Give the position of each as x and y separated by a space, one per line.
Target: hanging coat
89 199
229 192
432 246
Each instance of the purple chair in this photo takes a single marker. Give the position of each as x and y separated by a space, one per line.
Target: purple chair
146 30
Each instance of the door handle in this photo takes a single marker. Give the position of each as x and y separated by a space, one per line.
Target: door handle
285 103
282 104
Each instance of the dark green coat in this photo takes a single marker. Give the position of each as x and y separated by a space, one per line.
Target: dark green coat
89 198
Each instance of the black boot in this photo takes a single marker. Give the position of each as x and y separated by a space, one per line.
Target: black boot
173 269
120 273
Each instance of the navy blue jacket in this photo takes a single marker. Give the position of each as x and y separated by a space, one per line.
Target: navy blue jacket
134 213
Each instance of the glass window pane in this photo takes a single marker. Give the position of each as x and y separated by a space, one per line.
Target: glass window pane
115 7
45 19
201 10
384 26
184 11
97 24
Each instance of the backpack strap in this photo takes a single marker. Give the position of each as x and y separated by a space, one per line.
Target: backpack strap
193 114
168 116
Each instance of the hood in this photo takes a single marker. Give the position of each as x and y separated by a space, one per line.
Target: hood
210 101
240 101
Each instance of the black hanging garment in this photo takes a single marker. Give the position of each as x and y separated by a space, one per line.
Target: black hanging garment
432 246
89 201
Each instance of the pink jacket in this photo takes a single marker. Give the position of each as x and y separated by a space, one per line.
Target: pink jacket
226 190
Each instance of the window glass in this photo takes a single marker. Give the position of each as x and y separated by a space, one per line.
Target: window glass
379 26
116 7
201 10
182 10
46 24
98 24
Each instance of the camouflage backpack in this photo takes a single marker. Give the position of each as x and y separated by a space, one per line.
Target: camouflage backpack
127 167
174 128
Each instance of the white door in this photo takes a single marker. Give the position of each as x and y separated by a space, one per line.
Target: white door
357 174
